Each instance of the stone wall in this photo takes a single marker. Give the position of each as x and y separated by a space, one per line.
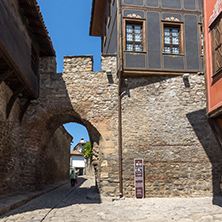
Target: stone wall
57 158
22 156
94 96
9 151
164 122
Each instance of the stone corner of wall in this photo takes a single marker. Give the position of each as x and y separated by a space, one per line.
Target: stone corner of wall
78 63
47 64
108 62
84 63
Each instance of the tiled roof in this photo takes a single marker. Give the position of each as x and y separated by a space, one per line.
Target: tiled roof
78 145
75 152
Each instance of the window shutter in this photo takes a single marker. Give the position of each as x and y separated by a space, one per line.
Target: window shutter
216 35
218 45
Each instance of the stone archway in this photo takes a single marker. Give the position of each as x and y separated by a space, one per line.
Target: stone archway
78 95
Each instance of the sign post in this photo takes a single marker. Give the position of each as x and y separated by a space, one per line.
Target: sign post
138 177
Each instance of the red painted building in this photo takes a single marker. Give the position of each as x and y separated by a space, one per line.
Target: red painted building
213 63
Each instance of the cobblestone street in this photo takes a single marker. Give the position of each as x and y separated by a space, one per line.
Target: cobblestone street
84 204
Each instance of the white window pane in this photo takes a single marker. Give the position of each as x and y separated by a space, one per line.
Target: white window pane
129 37
166 32
138 48
175 32
167 40
137 37
137 29
175 40
129 28
202 42
129 47
175 50
167 49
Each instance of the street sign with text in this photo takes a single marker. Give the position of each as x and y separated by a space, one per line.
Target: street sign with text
138 177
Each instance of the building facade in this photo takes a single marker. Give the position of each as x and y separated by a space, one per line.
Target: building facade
151 37
161 98
24 41
77 161
213 69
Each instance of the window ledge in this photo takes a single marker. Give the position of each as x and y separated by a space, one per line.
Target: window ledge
171 54
139 52
217 73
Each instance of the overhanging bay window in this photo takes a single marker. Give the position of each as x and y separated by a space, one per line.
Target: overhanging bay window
134 36
172 38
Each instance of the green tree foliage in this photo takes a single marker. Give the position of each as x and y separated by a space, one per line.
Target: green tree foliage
86 150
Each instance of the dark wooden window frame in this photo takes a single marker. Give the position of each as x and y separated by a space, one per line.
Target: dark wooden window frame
138 22
173 25
216 45
201 39
109 12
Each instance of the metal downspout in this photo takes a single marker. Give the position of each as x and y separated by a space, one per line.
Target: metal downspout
120 72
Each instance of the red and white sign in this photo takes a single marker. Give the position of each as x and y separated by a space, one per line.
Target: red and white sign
138 176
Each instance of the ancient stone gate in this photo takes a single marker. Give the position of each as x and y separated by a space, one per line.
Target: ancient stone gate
164 123
78 95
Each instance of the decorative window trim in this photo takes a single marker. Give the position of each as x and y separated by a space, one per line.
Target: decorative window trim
171 19
141 22
133 16
173 24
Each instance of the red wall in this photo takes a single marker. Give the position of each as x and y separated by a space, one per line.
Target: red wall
214 85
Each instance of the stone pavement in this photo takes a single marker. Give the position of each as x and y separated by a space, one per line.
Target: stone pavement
83 203
12 201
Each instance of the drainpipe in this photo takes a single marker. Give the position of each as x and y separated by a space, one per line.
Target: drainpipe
120 136
120 72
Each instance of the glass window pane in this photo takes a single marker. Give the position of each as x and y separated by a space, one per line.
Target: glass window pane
138 48
175 32
175 50
166 32
129 47
129 37
175 40
167 39
137 29
167 49
137 37
129 28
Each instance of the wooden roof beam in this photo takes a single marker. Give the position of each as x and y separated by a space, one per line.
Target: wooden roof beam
5 75
13 99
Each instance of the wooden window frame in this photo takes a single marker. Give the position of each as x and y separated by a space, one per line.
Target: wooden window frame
216 44
201 38
140 22
173 25
109 12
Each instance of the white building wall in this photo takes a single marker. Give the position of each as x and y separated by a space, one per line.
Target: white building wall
77 162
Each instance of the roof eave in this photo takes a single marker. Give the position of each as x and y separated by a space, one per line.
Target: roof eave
44 50
97 15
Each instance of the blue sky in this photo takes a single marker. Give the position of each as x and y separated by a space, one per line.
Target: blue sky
68 24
